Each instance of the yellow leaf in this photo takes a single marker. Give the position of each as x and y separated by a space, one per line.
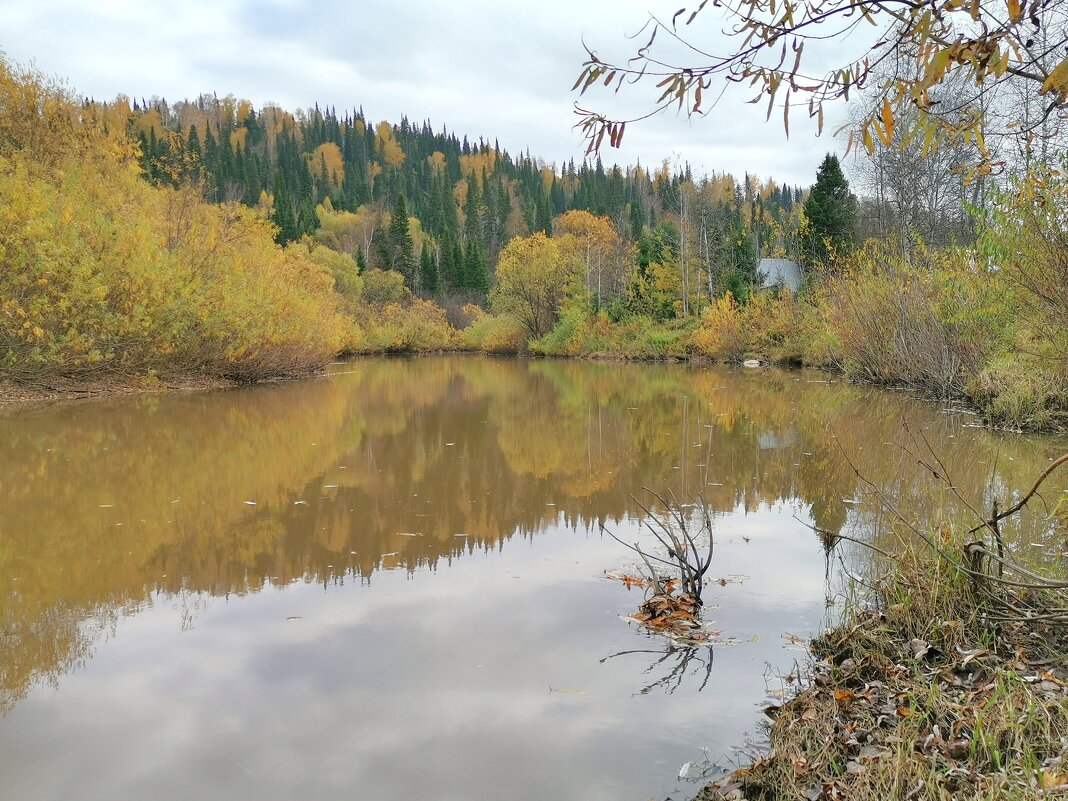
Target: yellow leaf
1051 779
1057 82
888 120
884 135
843 697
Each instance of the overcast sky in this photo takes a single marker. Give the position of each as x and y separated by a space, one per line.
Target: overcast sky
499 70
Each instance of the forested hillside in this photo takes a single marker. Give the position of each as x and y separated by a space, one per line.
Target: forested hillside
343 178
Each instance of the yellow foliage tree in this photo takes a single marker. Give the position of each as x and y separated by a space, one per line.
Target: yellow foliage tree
388 147
327 158
594 242
533 280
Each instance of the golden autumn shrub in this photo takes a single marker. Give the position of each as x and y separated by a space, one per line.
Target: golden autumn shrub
413 327
382 287
492 333
768 326
720 335
638 337
916 318
103 274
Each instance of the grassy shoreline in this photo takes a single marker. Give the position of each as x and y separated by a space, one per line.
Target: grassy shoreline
920 693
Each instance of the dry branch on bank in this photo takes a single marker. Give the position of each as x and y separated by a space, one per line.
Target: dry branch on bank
887 713
955 685
1004 589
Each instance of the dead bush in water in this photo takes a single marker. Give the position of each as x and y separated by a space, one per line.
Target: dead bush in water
674 578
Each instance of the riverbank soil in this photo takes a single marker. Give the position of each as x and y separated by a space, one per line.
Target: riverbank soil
57 388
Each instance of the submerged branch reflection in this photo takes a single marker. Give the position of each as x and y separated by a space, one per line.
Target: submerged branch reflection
672 665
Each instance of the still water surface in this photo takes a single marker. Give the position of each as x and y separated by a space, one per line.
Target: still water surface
388 582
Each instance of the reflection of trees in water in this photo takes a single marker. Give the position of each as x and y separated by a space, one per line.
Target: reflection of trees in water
106 502
45 648
673 665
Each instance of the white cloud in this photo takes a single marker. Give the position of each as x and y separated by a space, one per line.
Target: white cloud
481 68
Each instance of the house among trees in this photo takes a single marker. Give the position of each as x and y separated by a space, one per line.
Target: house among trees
779 274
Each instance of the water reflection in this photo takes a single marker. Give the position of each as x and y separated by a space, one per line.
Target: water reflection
672 664
115 510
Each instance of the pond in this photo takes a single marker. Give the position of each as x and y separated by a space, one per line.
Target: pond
389 582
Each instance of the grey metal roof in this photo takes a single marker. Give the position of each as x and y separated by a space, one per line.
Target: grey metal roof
779 273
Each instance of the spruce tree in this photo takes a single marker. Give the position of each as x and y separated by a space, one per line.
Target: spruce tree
637 219
193 142
475 275
455 273
283 214
472 213
400 251
445 266
831 210
428 271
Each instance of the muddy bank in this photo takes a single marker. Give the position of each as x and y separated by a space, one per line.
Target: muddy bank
20 393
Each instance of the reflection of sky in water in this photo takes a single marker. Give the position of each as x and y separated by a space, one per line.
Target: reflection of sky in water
196 597
430 685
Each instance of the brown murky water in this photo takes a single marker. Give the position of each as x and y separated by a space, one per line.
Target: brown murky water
387 583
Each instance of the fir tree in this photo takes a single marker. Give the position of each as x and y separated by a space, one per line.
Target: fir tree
428 271
831 210
400 251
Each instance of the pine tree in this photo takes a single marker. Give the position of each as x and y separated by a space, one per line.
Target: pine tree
831 210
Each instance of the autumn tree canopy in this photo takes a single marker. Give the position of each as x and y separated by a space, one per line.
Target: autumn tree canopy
987 42
533 279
